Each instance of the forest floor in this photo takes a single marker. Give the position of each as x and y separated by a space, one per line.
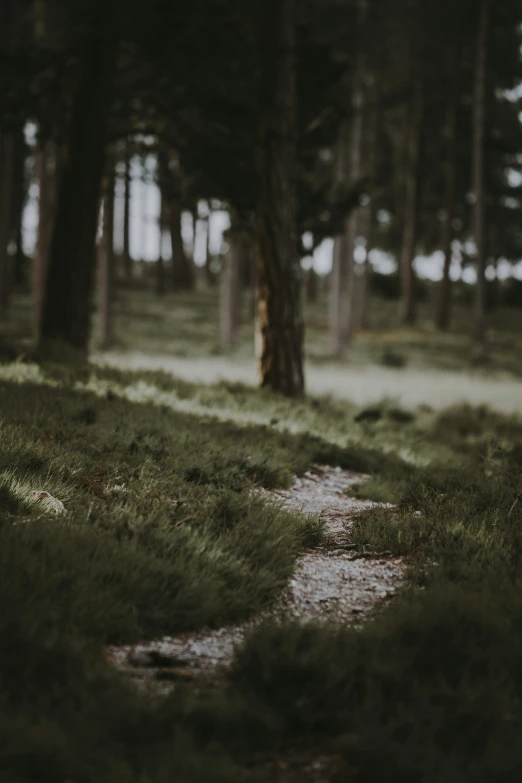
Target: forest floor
184 515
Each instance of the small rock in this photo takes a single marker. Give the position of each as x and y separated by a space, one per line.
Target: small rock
47 501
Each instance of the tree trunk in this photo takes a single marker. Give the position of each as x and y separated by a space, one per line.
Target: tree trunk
47 175
127 260
368 216
280 327
19 276
478 176
341 288
210 276
231 286
444 301
7 172
182 267
160 263
312 287
349 173
106 262
411 206
66 309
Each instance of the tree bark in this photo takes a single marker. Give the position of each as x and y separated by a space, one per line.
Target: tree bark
182 267
209 274
66 309
160 263
106 262
231 286
444 302
19 195
349 173
127 260
7 173
47 175
443 315
368 218
479 111
280 327
312 287
411 207
341 288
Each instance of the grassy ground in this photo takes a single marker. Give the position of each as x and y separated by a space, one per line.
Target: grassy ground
163 534
185 325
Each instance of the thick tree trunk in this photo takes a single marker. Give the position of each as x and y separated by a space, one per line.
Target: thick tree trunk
444 302
106 263
47 175
478 175
66 310
279 322
127 260
231 287
411 206
7 173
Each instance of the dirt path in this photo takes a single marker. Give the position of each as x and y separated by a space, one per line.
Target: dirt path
330 582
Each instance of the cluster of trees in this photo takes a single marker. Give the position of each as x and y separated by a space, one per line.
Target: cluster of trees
384 126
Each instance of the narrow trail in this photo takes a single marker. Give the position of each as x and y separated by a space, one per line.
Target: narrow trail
330 582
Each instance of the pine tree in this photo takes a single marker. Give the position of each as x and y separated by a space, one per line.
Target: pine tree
279 320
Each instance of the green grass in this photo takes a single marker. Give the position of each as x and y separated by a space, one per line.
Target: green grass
186 325
430 689
164 533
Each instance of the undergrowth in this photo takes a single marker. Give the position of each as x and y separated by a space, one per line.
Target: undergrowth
165 532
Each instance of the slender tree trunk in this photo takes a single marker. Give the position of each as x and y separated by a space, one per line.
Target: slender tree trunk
343 269
231 286
127 260
19 195
368 216
210 276
312 287
280 328
182 268
342 315
248 263
47 174
106 262
7 173
341 287
444 300
66 310
160 263
478 175
411 209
